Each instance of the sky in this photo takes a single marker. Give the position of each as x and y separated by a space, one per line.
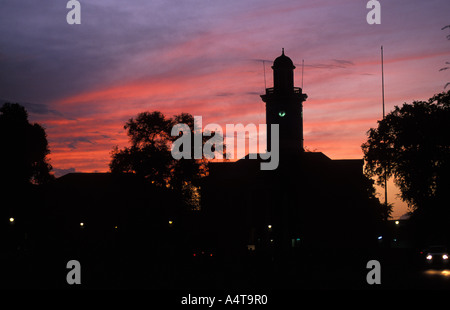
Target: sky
207 58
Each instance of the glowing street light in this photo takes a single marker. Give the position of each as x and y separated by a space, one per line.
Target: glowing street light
11 220
81 224
397 222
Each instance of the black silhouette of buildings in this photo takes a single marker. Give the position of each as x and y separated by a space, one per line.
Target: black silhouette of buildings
253 224
309 201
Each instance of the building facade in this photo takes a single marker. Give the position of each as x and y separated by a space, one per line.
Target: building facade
309 201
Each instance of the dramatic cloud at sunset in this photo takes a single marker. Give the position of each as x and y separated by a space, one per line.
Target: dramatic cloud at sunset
83 82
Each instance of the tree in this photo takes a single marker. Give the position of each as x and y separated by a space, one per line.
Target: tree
412 144
24 149
150 154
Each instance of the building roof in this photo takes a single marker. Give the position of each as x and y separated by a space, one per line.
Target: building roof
311 161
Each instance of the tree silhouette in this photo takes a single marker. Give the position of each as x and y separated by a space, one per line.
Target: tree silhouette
412 144
24 148
150 154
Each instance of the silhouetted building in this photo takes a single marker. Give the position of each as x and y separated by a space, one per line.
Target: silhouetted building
309 201
103 208
284 106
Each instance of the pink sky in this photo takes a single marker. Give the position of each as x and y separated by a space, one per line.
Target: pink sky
85 81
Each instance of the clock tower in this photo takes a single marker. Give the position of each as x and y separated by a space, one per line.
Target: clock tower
284 106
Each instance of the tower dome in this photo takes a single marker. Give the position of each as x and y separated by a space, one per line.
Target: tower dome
283 74
283 62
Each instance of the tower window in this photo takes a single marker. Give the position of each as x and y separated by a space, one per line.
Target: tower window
281 113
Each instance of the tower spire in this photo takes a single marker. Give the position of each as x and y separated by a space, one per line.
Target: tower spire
284 105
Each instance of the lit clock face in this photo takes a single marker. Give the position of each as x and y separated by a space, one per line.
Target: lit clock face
281 114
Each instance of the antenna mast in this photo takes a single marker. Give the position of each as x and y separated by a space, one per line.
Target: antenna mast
303 66
382 79
382 95
264 69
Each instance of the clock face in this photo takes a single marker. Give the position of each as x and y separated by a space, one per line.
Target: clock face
281 113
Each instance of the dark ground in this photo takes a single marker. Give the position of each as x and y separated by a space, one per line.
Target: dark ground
343 269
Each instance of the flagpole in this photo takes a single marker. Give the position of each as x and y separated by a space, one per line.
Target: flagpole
382 91
382 78
303 67
264 70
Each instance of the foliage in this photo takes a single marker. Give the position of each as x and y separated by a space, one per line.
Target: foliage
24 148
412 144
150 154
